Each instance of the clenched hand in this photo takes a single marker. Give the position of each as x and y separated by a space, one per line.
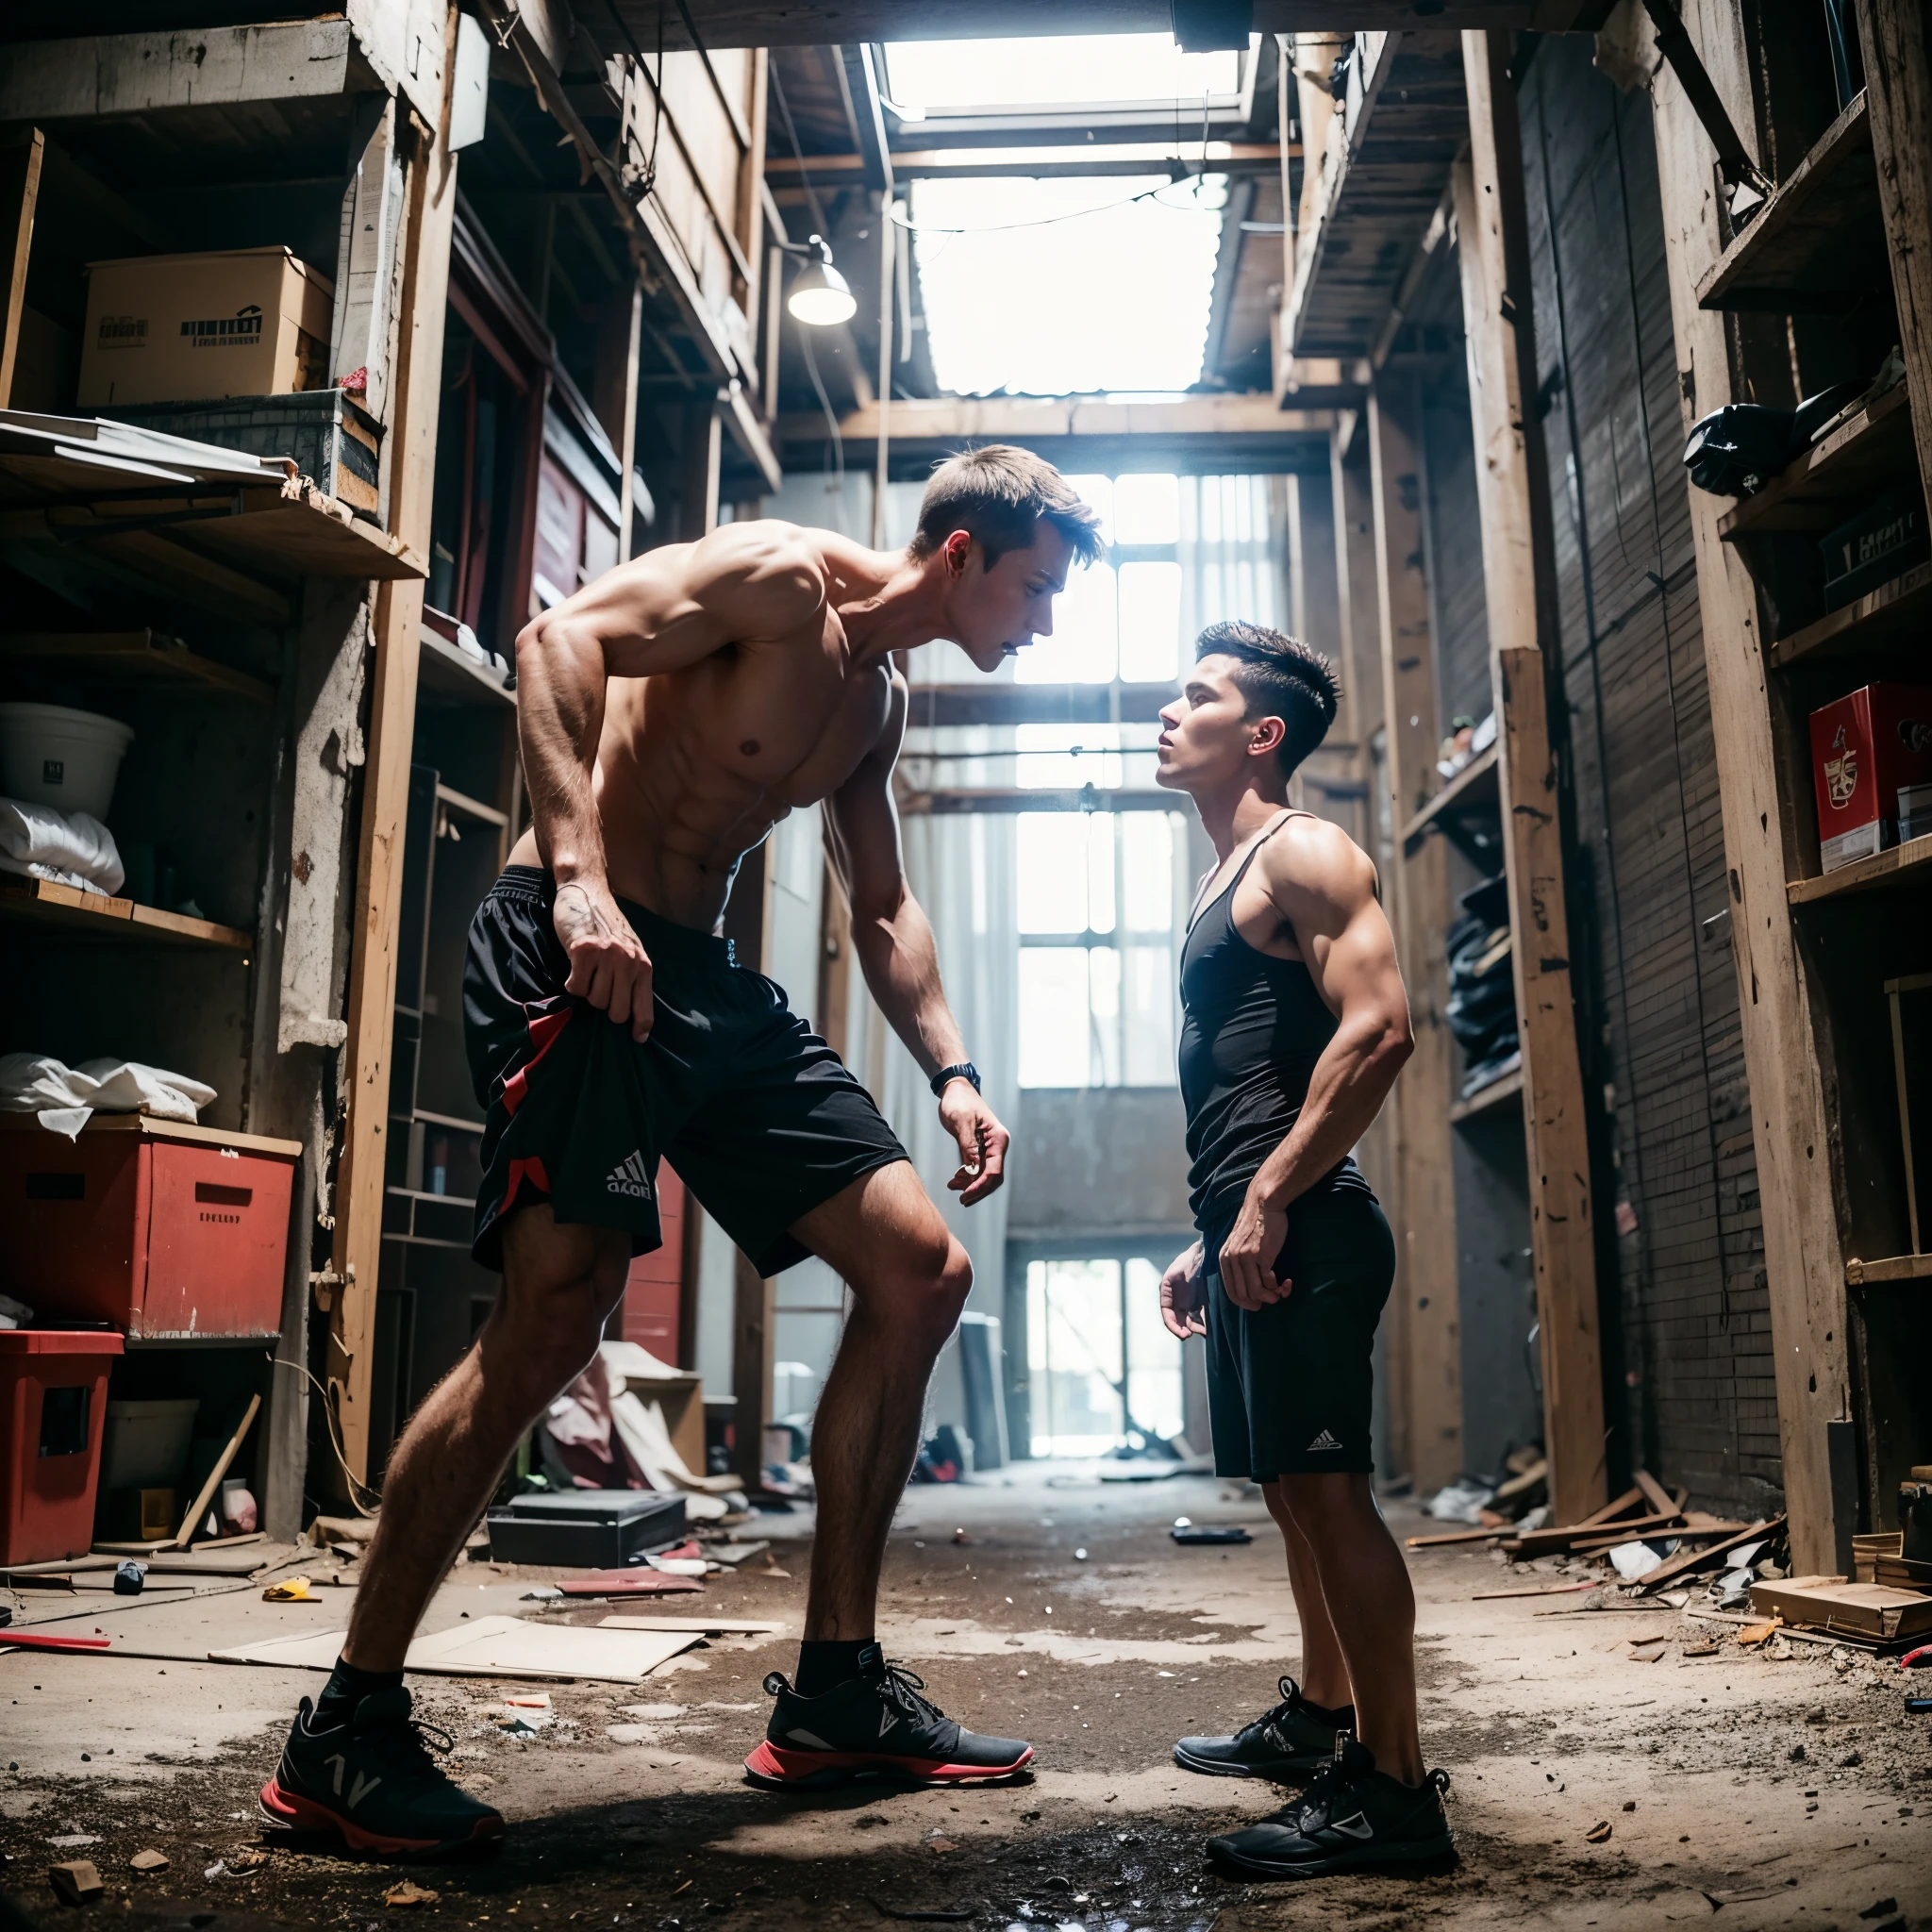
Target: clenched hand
608 965
982 1142
1250 1252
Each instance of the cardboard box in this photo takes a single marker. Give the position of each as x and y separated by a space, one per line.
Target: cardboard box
182 329
1864 749
1878 1611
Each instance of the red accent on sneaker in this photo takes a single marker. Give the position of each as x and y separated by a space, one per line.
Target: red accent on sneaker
297 1813
785 1765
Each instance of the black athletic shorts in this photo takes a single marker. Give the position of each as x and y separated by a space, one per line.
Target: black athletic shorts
754 1111
1291 1386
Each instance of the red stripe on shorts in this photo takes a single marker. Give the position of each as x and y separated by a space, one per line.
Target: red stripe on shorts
545 1029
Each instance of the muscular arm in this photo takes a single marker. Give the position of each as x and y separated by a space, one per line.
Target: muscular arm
894 942
663 612
1323 886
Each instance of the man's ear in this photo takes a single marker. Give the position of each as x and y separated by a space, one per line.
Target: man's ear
1268 732
956 550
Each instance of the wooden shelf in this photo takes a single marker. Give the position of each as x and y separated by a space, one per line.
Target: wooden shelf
1894 1268
1904 865
86 914
1834 478
1475 785
455 676
156 1129
1497 1094
1897 613
142 657
1817 247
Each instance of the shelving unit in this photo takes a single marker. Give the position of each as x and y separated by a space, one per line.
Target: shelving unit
1818 244
1822 1050
1472 789
1489 1099
133 657
48 905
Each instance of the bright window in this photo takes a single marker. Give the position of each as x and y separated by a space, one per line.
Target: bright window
1100 1362
1096 913
1053 69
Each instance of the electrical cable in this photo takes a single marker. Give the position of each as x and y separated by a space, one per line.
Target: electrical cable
650 178
1151 194
328 1416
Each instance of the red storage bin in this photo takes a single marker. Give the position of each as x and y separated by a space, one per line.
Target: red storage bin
53 1411
159 1229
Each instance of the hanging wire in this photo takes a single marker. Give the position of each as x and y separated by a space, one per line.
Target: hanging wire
1151 194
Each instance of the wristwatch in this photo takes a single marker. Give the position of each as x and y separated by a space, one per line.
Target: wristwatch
964 1070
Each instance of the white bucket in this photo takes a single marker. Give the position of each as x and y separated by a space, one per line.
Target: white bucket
52 755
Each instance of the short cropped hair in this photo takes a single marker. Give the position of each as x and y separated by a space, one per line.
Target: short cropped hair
1280 677
999 495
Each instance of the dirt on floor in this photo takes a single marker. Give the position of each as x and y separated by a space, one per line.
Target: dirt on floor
1768 1790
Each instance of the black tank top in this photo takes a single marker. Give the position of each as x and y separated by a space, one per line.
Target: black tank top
1252 1028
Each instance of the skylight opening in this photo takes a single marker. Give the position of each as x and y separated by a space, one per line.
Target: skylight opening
1067 287
1067 70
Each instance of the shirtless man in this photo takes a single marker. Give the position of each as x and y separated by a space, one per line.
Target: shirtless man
670 714
1295 1025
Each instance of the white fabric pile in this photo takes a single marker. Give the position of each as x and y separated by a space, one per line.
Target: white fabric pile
63 1097
67 848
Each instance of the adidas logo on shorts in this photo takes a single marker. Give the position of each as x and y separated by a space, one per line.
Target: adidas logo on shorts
1325 1440
630 1177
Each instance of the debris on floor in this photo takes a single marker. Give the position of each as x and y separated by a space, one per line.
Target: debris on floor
75 1883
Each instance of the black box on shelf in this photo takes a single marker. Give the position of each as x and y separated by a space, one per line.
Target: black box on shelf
1911 1058
1882 541
589 1529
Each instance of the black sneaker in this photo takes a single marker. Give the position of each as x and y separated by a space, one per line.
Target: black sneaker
373 1782
875 1725
1285 1744
1352 1816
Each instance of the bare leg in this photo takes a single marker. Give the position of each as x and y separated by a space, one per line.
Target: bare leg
559 1284
910 1279
1324 1675
1371 1608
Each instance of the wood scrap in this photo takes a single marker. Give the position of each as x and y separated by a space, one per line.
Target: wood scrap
1654 1493
1684 1532
1490 1596
1876 1610
1451 1535
185 1534
1549 1543
1686 1560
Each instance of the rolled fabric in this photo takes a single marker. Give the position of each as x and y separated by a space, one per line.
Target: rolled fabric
36 836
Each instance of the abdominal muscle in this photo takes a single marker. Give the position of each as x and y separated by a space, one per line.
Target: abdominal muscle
677 817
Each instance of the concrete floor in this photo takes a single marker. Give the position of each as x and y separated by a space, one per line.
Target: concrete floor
1780 1793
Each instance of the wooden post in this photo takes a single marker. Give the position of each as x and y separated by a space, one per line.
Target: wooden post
627 448
1898 97
883 446
697 507
19 189
1802 1258
748 926
416 391
1519 579
1426 1231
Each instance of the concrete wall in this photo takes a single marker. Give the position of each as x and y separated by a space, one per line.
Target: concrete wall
1110 1161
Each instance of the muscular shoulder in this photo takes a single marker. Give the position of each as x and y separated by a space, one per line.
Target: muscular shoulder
1311 862
772 574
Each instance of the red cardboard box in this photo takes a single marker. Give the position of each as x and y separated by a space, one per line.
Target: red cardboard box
53 1409
1863 748
152 1226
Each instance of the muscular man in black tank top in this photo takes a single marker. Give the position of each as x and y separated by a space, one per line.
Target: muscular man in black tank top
1295 1023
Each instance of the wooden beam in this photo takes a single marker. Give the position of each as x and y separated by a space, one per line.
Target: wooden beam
139 74
1041 161
1520 586
20 191
1424 1231
1018 419
627 442
1013 798
823 23
1034 704
429 216
1802 1258
1898 95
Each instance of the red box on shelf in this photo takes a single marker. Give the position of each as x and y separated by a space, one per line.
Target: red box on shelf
152 1226
53 1411
1863 748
